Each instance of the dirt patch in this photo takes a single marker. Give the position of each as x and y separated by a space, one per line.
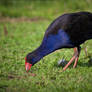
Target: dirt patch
5 30
32 74
21 19
10 76
14 77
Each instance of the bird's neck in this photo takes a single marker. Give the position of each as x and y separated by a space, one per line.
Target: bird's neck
40 52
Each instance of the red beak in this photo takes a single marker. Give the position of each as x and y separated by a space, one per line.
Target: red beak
27 66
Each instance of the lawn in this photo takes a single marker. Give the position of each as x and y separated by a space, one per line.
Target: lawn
18 37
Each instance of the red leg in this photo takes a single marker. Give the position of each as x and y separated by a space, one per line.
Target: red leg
72 59
75 57
76 60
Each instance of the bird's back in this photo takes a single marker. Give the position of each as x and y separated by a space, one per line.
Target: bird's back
78 26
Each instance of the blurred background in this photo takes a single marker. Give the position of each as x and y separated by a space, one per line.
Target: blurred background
48 9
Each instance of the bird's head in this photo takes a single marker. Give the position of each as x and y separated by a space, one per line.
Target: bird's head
27 64
31 59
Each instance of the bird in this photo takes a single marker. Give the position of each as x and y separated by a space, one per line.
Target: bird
69 30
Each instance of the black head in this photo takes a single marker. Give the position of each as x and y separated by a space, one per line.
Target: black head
31 59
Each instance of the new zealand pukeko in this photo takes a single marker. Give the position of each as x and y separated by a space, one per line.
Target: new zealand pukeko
67 31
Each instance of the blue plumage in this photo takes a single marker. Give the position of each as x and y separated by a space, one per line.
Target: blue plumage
56 41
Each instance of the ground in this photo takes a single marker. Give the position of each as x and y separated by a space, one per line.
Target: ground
21 35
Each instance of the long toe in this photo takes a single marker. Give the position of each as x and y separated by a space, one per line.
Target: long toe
75 63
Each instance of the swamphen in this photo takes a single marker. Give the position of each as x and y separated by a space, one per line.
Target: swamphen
67 31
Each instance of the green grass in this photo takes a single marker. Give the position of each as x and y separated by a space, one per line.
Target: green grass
48 9
24 37
45 76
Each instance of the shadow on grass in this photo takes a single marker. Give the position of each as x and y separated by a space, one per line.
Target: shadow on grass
88 62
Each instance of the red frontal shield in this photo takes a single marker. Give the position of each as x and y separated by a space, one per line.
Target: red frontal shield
27 65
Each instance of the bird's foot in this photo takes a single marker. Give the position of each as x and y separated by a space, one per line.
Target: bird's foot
75 63
72 59
75 57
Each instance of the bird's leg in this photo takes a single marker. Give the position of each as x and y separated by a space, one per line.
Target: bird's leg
75 63
85 49
72 59
75 57
78 49
75 50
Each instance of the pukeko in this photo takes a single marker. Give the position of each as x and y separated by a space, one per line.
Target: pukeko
67 31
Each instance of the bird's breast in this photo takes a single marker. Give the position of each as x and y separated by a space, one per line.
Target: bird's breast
55 41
